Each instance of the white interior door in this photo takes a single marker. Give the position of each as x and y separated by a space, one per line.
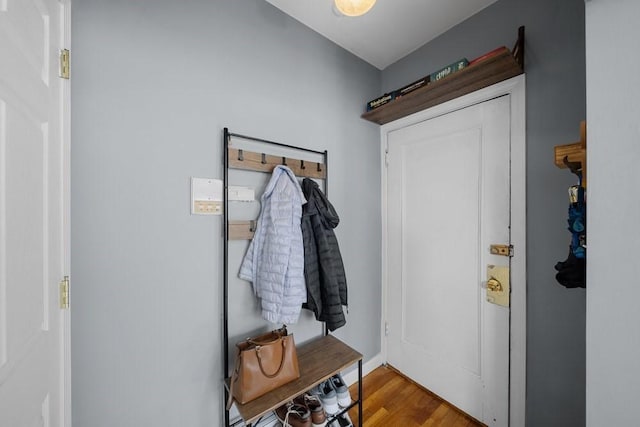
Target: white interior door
32 213
448 189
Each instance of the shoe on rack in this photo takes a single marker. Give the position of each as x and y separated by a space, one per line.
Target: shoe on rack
328 397
342 420
342 391
293 415
314 405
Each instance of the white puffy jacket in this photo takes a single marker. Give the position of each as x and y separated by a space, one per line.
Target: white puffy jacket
274 262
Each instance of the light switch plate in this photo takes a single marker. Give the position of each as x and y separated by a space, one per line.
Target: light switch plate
207 207
206 196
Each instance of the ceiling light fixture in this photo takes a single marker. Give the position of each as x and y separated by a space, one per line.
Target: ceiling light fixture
354 7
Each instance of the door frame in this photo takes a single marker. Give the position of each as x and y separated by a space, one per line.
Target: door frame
515 87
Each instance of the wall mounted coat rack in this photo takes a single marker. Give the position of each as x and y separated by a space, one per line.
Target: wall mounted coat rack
574 156
261 162
239 158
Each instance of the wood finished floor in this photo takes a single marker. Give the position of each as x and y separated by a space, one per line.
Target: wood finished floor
391 400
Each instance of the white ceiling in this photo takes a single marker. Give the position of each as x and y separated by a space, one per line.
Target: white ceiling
390 31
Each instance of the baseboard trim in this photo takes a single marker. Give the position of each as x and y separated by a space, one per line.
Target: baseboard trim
351 377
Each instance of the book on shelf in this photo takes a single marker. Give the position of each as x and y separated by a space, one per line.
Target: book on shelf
488 55
381 100
449 69
412 86
437 75
388 97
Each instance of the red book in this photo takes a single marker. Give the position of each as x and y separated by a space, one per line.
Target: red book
488 55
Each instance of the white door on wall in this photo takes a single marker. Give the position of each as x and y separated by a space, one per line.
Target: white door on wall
33 213
448 189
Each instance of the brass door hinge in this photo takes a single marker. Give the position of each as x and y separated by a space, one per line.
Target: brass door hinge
65 63
64 293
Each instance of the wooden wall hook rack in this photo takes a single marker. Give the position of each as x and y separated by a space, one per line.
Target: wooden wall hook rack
242 230
570 155
261 162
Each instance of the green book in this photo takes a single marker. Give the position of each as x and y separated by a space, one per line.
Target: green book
449 69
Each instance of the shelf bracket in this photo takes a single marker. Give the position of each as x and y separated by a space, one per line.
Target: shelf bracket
518 49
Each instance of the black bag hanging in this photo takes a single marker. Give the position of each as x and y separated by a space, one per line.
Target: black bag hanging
572 271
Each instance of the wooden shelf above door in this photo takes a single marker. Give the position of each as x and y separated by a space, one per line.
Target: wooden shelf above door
477 76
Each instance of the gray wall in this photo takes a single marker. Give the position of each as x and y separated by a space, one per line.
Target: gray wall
555 61
154 82
613 155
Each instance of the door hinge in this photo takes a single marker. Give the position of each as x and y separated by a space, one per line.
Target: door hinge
386 158
64 293
65 64
386 329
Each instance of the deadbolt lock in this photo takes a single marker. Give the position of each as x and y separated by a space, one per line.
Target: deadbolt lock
498 285
494 285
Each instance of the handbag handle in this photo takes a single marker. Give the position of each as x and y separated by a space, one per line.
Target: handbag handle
268 338
281 360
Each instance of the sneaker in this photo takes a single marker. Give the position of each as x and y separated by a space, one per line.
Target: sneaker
329 397
315 391
293 415
314 404
342 391
342 421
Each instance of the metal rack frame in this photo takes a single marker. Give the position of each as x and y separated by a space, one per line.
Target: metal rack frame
227 135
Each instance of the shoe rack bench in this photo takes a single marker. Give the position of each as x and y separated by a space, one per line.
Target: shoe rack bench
477 76
321 357
319 360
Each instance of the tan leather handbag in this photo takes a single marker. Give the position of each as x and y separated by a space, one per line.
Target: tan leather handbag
263 363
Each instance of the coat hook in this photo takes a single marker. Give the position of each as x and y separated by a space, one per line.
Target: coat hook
264 159
284 161
302 166
574 167
252 226
319 167
240 155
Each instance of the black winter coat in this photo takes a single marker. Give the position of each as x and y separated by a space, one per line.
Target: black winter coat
323 267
